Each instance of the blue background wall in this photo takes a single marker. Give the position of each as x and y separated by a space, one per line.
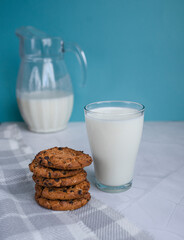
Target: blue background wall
134 48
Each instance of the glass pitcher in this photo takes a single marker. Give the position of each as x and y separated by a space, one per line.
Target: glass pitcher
44 89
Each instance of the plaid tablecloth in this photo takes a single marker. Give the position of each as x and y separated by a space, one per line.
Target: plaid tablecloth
22 218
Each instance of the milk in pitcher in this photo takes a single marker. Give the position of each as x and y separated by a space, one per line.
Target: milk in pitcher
46 111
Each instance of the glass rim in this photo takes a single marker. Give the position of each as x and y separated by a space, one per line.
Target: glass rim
114 101
42 38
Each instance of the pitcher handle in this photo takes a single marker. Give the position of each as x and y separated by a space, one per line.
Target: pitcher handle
72 47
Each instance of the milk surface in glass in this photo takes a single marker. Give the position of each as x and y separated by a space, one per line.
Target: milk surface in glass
114 134
46 111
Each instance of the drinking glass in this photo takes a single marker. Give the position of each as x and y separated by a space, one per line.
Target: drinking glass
114 131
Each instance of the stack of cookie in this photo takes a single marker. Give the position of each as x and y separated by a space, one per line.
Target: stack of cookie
60 179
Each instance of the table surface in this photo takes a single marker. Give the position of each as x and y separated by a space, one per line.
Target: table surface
156 200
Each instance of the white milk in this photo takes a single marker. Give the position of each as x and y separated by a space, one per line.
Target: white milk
114 142
46 111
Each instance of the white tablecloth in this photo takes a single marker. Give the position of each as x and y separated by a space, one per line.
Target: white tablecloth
156 200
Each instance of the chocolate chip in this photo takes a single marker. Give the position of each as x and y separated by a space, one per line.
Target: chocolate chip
60 148
73 186
50 184
49 163
71 202
80 192
40 161
46 157
45 183
64 190
64 173
71 190
56 179
49 174
40 158
51 190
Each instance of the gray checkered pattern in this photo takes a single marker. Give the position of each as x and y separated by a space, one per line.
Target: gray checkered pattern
21 218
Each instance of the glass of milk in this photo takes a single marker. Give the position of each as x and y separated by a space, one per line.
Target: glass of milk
114 130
